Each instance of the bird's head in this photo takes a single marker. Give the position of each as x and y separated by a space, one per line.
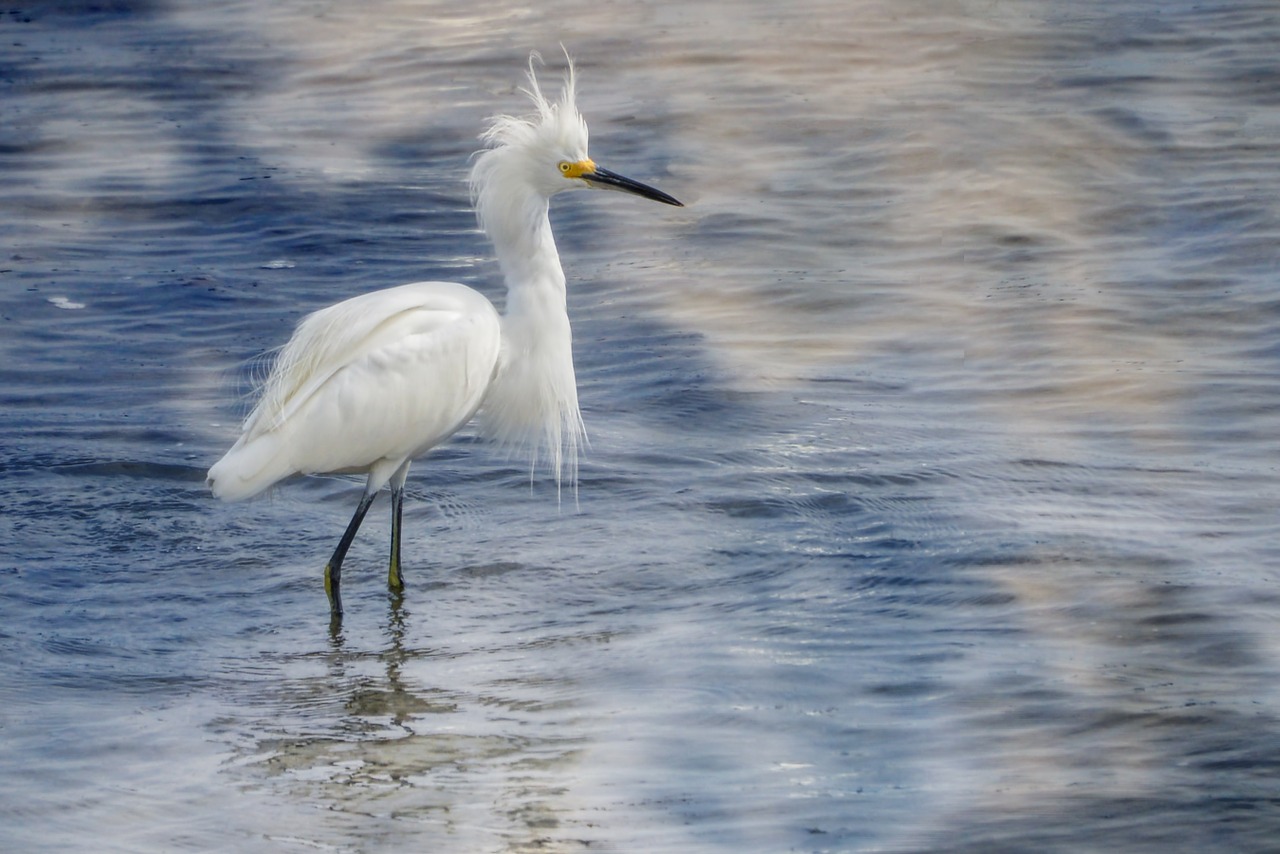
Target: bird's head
548 150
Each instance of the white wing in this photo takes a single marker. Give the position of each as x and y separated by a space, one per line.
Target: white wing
365 385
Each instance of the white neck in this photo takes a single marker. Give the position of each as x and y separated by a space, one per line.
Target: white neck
532 403
524 245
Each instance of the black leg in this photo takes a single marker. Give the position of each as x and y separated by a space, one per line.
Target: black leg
395 579
333 569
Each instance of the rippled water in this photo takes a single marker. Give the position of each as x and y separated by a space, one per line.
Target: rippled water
931 503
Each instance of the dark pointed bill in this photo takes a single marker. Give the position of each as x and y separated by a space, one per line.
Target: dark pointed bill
603 179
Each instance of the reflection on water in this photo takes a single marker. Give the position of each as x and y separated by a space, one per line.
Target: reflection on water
930 503
362 733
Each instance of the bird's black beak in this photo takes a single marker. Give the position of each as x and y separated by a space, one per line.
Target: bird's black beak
603 179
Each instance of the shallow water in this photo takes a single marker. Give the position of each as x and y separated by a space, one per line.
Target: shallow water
931 497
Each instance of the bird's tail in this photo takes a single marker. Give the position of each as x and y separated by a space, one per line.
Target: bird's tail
250 467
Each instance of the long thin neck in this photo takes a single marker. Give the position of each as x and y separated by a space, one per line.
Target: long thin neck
526 249
533 400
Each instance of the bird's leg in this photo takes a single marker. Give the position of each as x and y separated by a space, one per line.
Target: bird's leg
333 569
395 578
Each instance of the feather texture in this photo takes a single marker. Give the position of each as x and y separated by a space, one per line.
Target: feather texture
374 381
365 385
533 405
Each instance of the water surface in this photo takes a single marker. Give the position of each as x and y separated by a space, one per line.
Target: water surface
931 497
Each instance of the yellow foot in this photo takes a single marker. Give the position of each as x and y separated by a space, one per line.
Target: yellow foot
331 589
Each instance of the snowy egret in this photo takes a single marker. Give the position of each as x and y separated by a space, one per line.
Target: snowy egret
373 382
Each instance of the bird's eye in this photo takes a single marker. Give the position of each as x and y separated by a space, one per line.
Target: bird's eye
565 166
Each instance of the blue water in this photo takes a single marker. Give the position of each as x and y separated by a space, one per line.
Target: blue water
931 500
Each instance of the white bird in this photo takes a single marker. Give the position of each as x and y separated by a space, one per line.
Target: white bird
373 382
